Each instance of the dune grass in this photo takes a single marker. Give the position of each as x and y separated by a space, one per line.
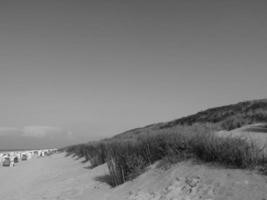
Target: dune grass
127 158
227 117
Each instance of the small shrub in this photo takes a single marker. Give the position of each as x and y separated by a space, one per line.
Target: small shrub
229 151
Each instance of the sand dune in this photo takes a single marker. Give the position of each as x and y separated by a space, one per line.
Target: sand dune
191 181
256 133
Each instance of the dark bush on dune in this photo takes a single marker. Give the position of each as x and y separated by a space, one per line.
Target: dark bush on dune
95 152
228 117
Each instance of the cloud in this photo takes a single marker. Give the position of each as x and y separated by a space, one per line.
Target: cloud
36 137
36 131
8 130
41 131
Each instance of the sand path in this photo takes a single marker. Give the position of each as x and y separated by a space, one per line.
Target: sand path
56 177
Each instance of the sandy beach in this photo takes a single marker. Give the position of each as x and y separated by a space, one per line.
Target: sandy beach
67 178
55 177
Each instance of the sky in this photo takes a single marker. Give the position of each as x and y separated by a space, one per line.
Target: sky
75 71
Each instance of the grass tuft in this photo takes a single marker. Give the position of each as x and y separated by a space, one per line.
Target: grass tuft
127 158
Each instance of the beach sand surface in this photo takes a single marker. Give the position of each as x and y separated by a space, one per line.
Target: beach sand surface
55 177
67 178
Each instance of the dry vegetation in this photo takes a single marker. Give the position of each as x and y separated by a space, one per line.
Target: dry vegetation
128 154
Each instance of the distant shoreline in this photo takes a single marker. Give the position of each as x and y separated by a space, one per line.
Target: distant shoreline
8 150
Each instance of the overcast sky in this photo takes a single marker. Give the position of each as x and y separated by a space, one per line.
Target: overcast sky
92 69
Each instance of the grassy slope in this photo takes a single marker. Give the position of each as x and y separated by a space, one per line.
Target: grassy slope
127 154
226 117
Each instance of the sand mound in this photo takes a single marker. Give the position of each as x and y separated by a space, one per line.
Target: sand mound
256 133
190 181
